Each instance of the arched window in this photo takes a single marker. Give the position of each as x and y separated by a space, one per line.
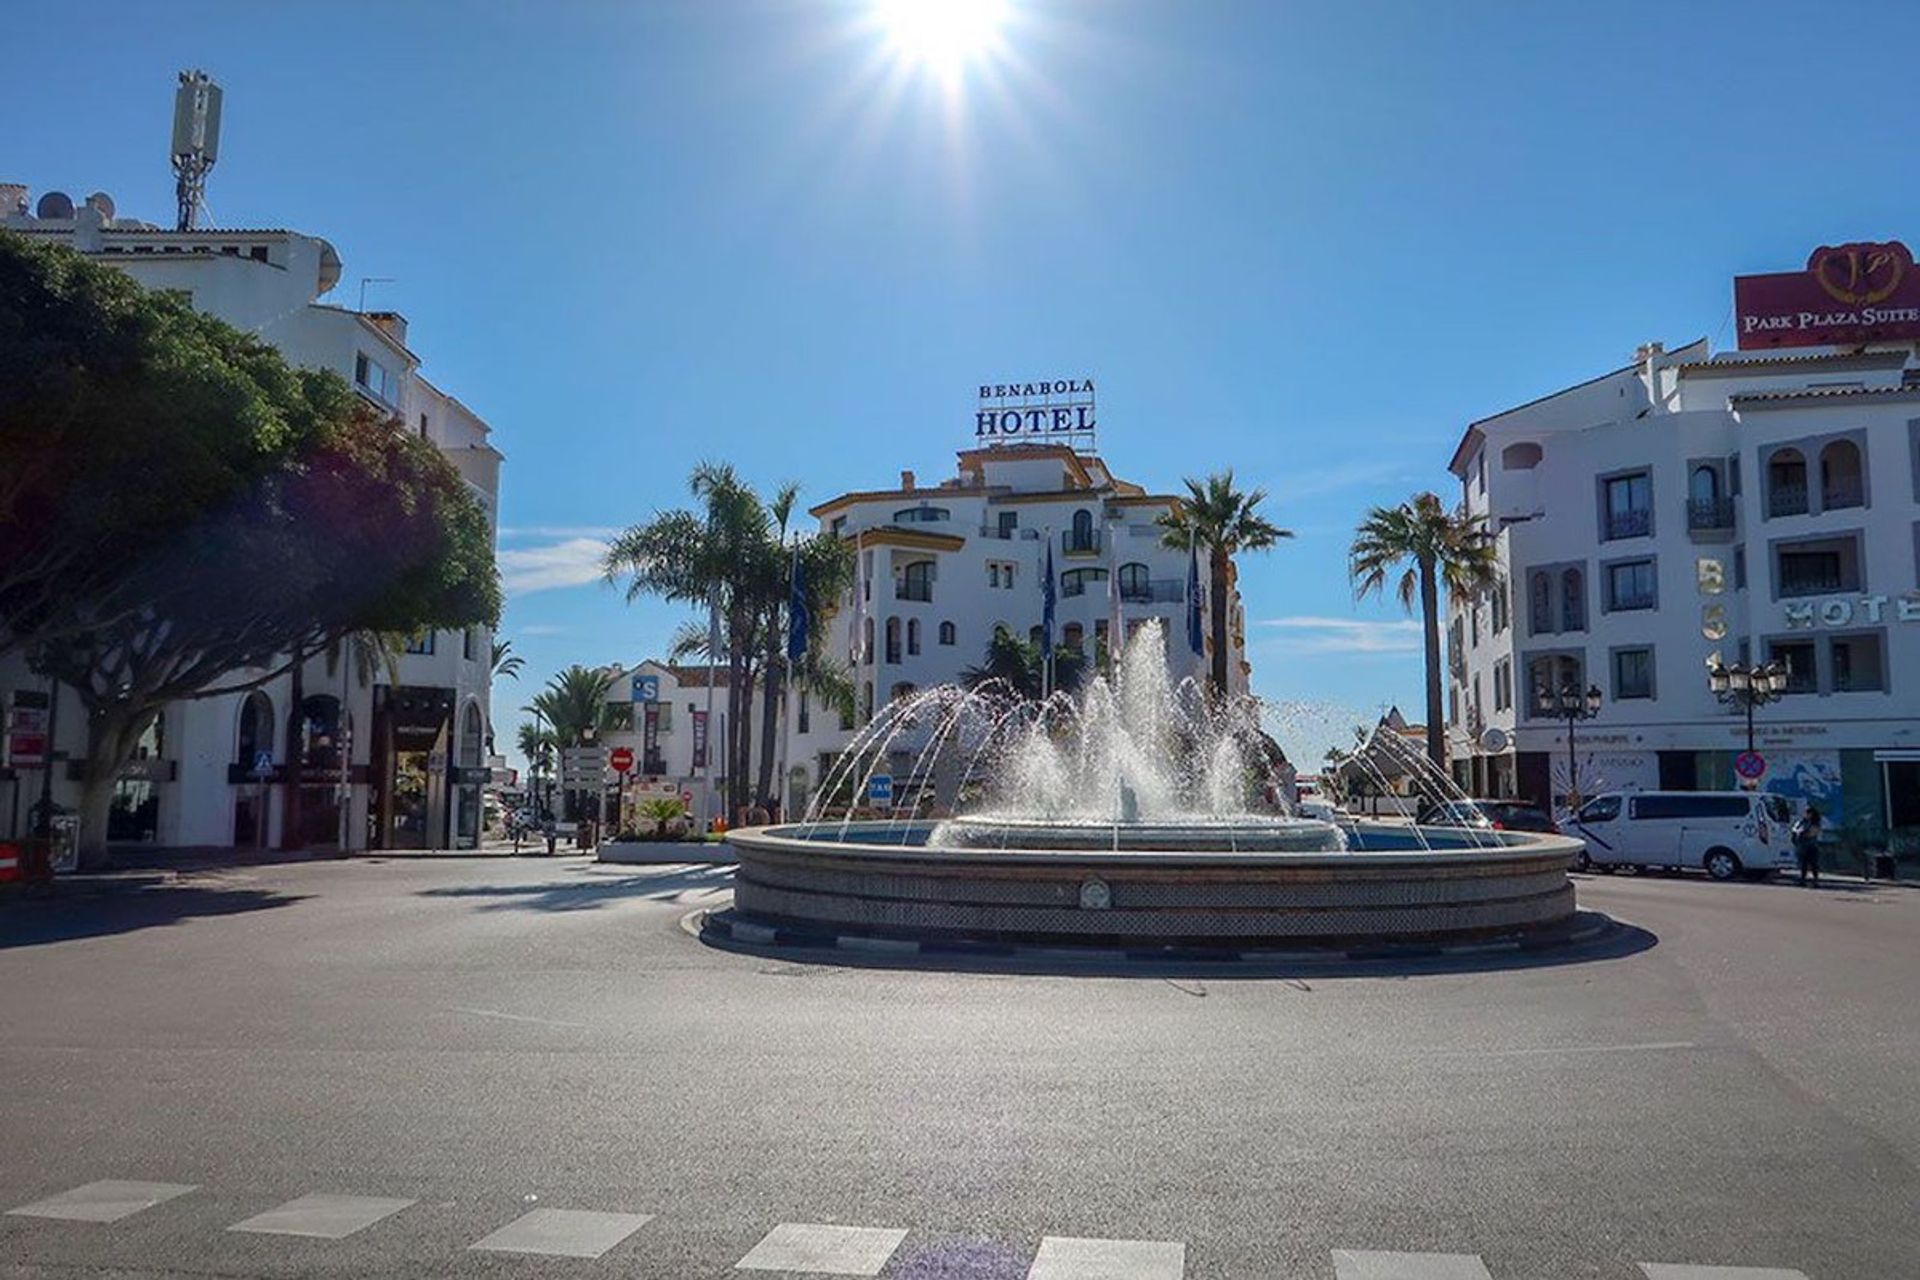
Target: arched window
893 639
255 730
866 640
320 731
1841 482
1703 486
1074 582
1786 483
1035 636
1540 602
946 633
921 515
916 581
1573 601
1135 583
1523 455
913 636
1082 537
472 737
1073 637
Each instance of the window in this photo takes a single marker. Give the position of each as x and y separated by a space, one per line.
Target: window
1000 574
663 720
1797 657
1630 585
1502 685
1600 809
1009 523
1547 675
1036 637
1474 712
1786 483
1739 568
806 712
1081 538
319 728
866 640
473 737
1816 566
916 582
256 729
373 378
1074 582
1707 507
1674 805
1627 506
1135 583
1473 625
1453 704
1480 470
1500 608
893 639
1842 483
619 717
913 636
421 644
946 633
1573 601
1858 666
1073 637
423 426
469 643
922 515
839 527
1540 602
1632 673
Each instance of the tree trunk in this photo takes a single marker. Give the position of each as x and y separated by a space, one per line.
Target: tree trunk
739 732
295 757
1430 617
769 718
111 738
1217 562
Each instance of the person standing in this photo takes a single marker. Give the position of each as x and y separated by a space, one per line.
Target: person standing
1806 843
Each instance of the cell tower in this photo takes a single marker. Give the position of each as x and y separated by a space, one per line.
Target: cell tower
196 141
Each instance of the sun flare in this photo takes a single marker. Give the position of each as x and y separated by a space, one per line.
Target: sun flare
944 36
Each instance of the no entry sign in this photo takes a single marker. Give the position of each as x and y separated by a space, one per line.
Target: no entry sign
1750 765
620 759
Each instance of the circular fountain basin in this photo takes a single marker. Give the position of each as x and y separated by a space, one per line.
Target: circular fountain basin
1233 833
1153 885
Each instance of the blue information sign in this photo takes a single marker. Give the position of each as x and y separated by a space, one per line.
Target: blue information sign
646 688
880 790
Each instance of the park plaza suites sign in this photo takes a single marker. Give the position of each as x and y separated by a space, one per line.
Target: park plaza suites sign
1060 411
1848 294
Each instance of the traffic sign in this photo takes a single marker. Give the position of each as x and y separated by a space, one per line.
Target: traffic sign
620 759
880 790
1750 765
263 764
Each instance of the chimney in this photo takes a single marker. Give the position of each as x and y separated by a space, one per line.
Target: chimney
392 323
13 199
906 481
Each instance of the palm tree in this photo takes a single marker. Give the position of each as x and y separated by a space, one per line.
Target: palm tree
1428 544
536 745
1221 519
1017 664
506 663
573 702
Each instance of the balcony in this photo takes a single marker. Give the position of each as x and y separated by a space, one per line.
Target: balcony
1842 493
1077 543
1009 534
1635 522
1158 591
1705 515
909 590
1785 498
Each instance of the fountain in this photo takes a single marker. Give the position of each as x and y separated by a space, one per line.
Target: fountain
1137 812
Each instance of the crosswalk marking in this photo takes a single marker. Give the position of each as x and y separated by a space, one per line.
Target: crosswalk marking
1355 1264
1080 1258
823 1249
1681 1271
323 1216
564 1233
106 1201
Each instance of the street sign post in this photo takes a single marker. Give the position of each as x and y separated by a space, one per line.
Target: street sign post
880 791
620 759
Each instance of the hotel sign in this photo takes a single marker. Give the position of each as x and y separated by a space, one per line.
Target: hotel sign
1848 294
1059 411
1842 611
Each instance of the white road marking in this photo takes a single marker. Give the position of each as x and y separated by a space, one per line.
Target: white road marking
516 1017
1080 1258
106 1201
1680 1271
1353 1264
1650 1046
827 1250
323 1216
565 1233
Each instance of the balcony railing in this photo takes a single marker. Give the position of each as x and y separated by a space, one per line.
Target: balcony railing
1709 513
1812 582
1009 534
1627 600
1842 493
908 590
1158 591
1633 523
1089 543
1786 499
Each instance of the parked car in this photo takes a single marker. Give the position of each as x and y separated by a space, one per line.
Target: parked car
1498 815
1724 833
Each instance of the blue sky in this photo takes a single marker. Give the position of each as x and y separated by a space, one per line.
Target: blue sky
1310 241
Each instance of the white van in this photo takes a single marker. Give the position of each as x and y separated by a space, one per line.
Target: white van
1727 833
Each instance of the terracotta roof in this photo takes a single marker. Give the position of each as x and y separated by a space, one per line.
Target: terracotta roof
1825 393
1844 359
698 677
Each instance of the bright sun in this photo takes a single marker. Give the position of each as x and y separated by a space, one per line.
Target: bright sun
942 35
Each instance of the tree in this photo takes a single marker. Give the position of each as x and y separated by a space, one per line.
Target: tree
1222 520
506 663
660 811
573 702
1017 664
1427 543
184 515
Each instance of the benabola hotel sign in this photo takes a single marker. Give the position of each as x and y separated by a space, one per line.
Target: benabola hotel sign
1849 293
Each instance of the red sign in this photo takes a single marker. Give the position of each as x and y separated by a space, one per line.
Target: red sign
1849 293
620 759
27 738
1750 765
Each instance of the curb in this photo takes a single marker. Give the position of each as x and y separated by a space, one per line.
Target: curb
725 930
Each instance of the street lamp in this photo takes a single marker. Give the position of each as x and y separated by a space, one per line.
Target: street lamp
1569 704
1747 687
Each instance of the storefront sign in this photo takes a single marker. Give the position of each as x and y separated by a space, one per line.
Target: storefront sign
1849 293
1849 611
26 735
699 739
1060 410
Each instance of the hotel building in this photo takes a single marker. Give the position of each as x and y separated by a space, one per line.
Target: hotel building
419 735
1688 509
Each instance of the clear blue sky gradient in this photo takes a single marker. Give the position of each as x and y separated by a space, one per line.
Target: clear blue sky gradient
1310 241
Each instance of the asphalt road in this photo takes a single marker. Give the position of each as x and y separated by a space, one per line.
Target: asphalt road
474 1039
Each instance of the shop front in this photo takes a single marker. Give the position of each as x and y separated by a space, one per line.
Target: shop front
412 741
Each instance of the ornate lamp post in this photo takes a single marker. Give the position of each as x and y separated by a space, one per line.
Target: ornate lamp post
1569 704
1747 687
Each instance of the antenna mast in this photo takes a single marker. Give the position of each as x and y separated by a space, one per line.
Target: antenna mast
196 141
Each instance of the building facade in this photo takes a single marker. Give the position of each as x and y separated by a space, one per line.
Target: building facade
1689 509
268 766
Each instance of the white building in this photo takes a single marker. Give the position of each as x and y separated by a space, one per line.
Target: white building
1689 509
420 737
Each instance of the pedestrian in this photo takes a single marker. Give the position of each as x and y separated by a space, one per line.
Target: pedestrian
1806 843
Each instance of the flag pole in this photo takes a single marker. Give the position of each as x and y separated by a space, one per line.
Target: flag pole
713 648
794 632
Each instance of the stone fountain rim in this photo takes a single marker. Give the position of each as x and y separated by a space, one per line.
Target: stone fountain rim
1514 846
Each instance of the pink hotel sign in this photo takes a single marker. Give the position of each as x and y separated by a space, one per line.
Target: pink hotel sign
1849 293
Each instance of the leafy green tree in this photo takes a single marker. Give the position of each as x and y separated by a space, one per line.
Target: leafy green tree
660 811
183 515
1222 522
1428 544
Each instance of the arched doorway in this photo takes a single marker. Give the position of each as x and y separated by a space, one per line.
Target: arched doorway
253 735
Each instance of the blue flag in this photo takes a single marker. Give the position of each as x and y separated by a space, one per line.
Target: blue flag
798 619
1046 607
1196 628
